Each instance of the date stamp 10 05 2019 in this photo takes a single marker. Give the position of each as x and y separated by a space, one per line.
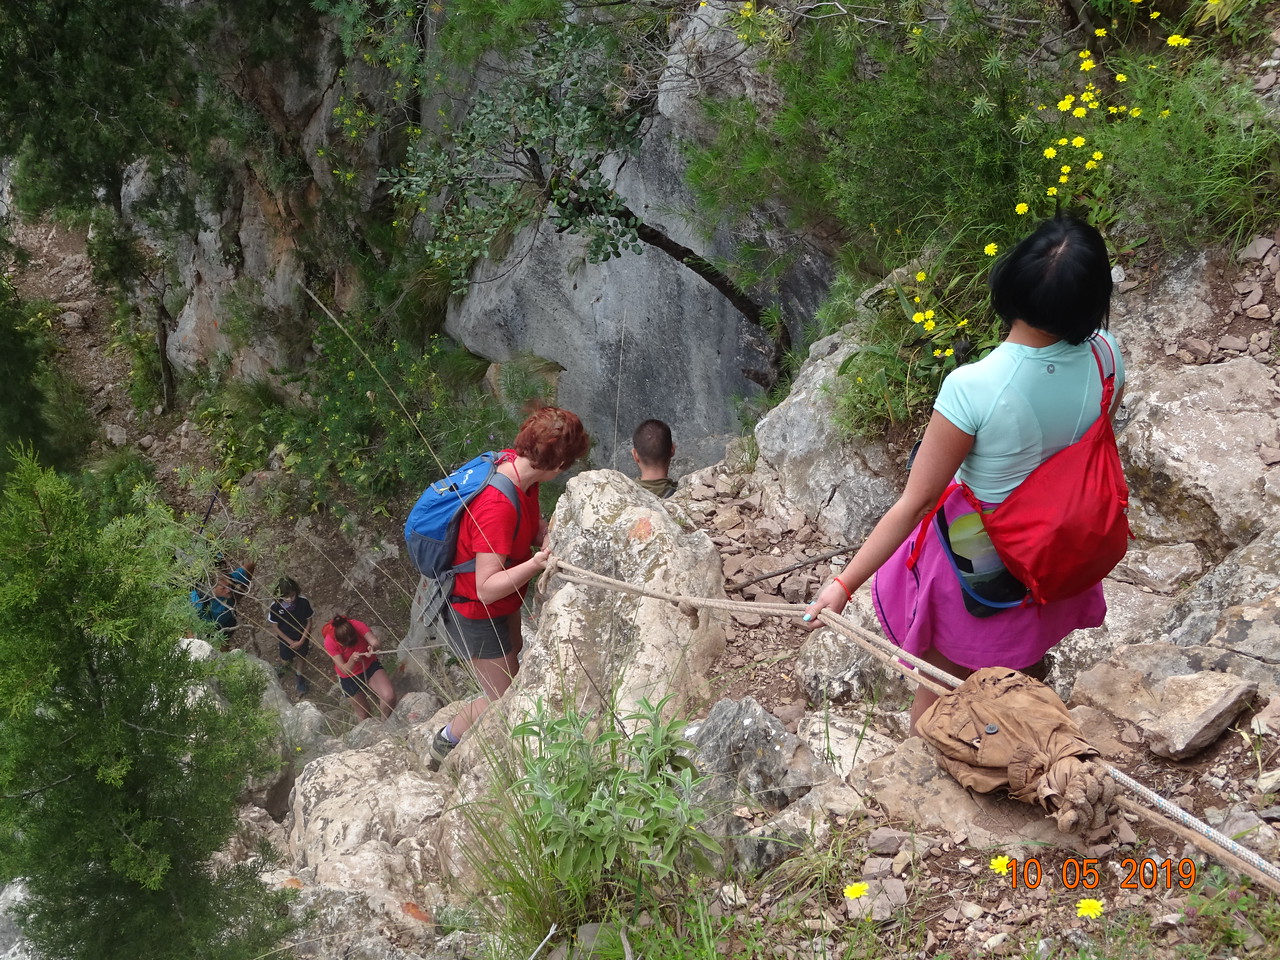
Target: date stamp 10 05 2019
1082 874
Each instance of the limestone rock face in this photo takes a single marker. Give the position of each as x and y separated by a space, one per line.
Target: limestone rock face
831 668
1180 711
593 641
1252 630
1191 455
1247 576
342 923
13 946
843 743
593 646
358 822
845 486
624 336
911 787
743 744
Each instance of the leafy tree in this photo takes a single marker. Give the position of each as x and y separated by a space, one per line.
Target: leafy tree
120 757
90 86
21 406
572 85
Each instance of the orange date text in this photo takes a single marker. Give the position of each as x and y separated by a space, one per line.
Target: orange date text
1076 874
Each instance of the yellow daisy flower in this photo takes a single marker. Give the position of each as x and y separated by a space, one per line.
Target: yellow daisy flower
1090 908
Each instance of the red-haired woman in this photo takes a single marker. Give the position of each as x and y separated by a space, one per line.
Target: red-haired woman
482 620
354 648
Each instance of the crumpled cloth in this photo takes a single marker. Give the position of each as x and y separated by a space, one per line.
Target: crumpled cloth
1002 729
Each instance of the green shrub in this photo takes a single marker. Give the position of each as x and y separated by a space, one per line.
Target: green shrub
940 143
109 486
591 819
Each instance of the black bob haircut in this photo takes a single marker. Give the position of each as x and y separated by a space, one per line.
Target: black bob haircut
1058 280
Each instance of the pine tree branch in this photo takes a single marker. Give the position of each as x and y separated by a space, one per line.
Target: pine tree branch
35 792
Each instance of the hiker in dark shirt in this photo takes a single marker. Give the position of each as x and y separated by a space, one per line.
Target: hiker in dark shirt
290 619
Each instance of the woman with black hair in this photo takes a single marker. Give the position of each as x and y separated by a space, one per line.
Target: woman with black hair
994 422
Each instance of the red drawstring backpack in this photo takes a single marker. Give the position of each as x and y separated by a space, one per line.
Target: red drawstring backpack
1066 526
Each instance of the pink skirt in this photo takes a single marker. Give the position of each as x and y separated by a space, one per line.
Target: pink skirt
923 609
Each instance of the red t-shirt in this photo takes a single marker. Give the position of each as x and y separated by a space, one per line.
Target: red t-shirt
332 646
489 526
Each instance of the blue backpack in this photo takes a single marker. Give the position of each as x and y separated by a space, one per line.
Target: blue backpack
431 532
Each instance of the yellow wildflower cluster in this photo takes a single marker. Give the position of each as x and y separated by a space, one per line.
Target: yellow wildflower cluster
1177 40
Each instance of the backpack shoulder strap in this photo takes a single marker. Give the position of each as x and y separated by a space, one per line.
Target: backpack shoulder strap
507 487
1108 379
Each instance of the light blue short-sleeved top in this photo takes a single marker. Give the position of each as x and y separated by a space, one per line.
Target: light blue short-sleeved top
1022 405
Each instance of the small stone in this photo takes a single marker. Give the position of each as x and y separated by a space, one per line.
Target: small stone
115 434
1124 833
1238 344
1258 311
877 868
994 943
970 910
1257 248
72 320
1199 349
1265 82
733 896
1253 297
1117 274
147 442
886 840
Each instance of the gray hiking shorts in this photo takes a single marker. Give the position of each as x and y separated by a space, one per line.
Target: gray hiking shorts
478 639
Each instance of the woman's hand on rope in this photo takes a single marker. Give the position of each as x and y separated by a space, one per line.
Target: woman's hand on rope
832 597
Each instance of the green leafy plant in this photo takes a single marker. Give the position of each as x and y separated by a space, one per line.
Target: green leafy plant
592 818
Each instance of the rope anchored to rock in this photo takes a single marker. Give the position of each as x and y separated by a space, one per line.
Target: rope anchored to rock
1059 772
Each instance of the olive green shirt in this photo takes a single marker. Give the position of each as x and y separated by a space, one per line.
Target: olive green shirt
660 488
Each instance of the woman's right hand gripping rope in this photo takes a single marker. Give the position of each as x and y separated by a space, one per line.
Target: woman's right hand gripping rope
832 597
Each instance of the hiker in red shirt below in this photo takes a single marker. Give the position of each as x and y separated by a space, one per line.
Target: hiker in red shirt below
482 619
354 648
994 422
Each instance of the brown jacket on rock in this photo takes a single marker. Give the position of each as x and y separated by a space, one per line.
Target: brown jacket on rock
1001 728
